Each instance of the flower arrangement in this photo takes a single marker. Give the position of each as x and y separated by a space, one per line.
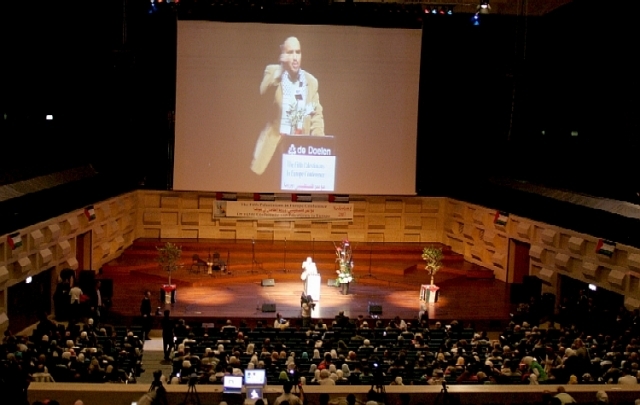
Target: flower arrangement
345 262
433 257
295 115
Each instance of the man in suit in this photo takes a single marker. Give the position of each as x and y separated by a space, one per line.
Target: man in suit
296 103
145 312
97 302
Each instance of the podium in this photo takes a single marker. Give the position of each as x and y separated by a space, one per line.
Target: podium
312 286
168 293
308 163
429 293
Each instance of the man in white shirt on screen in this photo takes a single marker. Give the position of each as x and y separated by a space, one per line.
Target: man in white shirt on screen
295 96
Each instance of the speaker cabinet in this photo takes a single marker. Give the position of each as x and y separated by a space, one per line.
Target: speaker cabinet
106 288
268 282
268 307
87 280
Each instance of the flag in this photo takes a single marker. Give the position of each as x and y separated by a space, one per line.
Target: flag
226 196
90 213
14 240
605 247
501 218
301 197
263 197
335 198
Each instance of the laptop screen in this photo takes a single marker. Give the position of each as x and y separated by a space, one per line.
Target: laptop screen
254 377
232 384
254 394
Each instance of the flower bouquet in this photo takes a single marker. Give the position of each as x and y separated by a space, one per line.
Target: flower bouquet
345 263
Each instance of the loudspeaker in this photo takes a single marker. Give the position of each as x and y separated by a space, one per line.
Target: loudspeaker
516 293
375 309
532 287
87 280
268 282
268 307
106 287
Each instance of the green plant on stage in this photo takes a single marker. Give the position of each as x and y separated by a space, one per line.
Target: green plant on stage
168 256
433 257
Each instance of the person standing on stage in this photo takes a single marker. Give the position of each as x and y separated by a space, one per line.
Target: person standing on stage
145 312
97 304
74 293
308 267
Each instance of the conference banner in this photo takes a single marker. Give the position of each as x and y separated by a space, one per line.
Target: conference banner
321 211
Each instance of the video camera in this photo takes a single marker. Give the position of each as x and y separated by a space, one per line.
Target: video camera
307 299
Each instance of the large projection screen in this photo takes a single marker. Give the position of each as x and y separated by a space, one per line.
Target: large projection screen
332 110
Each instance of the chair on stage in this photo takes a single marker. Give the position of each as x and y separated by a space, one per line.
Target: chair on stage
217 265
197 265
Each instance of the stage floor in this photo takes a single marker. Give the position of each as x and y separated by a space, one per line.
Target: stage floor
239 295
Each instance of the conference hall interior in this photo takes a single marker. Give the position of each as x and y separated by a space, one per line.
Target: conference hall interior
382 202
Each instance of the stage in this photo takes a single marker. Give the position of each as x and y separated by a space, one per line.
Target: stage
387 275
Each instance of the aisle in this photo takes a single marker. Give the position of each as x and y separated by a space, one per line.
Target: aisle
153 358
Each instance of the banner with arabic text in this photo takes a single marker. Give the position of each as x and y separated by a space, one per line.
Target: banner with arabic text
324 211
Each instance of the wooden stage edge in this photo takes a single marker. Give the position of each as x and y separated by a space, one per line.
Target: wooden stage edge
387 275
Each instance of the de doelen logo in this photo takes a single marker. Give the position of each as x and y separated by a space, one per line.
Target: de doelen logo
301 150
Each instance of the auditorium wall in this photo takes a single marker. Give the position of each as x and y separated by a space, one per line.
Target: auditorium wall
54 244
473 231
376 219
469 229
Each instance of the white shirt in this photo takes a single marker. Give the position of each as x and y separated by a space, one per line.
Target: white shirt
75 294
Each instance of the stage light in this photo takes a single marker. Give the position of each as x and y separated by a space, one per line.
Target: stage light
49 117
476 19
434 10
28 280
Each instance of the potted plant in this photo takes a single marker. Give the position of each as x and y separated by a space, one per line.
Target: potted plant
345 263
433 257
168 256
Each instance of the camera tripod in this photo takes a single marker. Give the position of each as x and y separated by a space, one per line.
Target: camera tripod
191 397
443 397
